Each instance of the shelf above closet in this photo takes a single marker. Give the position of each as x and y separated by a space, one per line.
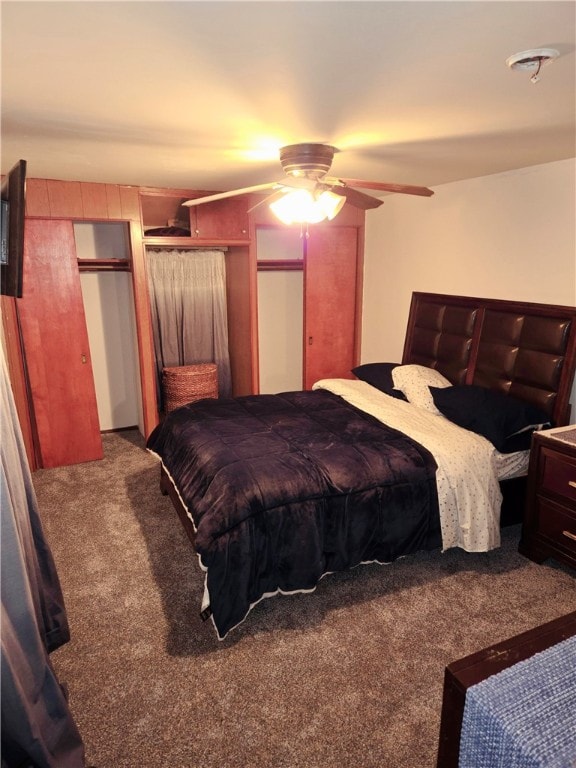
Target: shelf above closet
190 242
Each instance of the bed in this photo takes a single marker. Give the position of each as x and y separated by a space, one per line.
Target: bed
277 491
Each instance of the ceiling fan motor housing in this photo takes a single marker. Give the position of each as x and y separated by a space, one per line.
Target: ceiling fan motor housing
310 160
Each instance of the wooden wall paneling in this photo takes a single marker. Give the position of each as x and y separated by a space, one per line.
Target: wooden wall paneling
17 374
56 347
79 199
240 319
130 203
65 199
146 356
113 203
37 202
94 200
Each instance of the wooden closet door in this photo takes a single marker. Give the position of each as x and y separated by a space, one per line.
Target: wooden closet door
330 303
56 350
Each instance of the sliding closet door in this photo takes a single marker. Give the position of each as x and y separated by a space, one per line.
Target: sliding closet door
330 303
56 351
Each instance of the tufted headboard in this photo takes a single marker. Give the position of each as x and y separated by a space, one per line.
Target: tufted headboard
524 349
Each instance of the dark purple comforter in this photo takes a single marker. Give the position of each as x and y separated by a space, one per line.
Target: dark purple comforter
285 488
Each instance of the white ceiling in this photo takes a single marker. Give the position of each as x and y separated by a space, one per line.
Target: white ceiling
201 95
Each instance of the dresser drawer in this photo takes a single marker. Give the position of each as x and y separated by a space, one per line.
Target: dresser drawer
557 524
549 527
558 475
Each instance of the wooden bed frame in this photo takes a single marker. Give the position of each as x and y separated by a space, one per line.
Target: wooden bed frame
473 669
524 349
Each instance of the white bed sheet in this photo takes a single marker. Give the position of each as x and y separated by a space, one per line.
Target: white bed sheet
509 465
469 495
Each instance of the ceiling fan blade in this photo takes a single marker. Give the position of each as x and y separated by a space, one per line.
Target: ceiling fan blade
357 199
407 189
232 193
276 195
284 186
298 182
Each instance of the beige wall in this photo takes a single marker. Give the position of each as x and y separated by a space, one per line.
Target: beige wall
109 309
507 236
280 311
110 320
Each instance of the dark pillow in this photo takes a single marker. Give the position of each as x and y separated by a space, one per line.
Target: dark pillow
521 441
504 420
379 375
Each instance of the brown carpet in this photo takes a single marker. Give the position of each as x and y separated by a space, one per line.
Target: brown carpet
349 676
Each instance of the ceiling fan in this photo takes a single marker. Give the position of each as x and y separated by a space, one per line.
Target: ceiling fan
306 167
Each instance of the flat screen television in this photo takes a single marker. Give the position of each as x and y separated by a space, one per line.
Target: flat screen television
12 232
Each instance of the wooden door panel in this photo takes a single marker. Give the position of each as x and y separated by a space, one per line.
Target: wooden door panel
56 350
330 303
223 219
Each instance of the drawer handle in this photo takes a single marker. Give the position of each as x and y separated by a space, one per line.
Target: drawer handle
572 483
569 535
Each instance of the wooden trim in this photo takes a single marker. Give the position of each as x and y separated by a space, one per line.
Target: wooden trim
81 200
175 192
253 309
191 242
253 227
359 293
167 489
146 357
239 297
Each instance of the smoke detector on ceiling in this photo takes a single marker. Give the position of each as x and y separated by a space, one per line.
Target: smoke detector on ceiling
532 61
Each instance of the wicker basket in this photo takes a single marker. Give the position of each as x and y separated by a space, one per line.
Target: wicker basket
187 383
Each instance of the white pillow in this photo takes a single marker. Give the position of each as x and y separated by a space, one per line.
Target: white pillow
414 380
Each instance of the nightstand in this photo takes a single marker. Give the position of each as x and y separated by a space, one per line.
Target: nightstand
549 526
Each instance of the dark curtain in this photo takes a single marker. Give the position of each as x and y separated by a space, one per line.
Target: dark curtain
189 313
38 729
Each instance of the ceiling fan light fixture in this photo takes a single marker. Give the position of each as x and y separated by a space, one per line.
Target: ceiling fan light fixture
306 166
299 206
331 203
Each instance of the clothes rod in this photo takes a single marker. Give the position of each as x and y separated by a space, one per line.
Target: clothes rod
160 249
